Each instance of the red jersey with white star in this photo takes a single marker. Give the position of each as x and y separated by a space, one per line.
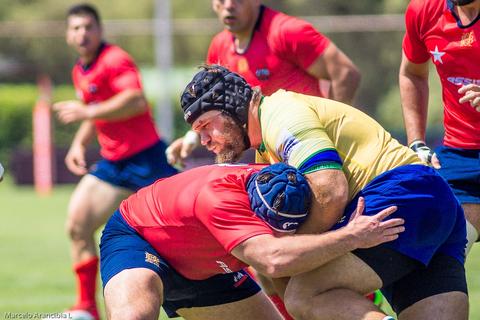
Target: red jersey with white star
112 72
194 219
281 49
435 32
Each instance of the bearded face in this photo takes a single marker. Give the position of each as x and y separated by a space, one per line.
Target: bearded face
234 142
220 134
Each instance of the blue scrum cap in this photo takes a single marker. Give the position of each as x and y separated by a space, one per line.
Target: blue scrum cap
216 88
280 195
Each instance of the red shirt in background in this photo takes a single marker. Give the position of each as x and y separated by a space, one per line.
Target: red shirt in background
435 32
281 49
113 71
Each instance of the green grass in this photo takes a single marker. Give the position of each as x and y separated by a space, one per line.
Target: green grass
35 271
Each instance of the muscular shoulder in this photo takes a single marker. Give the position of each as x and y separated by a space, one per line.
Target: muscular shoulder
425 10
281 24
114 55
218 46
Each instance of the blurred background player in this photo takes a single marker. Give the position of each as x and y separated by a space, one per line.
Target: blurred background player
275 51
186 248
448 33
113 106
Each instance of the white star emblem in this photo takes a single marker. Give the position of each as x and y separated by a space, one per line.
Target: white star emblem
437 55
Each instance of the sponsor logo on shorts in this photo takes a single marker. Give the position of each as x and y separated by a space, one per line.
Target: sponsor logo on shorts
153 259
239 278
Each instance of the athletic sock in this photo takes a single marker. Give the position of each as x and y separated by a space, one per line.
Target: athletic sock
278 302
86 275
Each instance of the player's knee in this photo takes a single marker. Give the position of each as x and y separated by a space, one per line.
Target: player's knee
297 305
77 229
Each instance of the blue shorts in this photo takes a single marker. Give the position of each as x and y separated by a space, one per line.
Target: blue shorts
121 248
137 171
434 219
461 168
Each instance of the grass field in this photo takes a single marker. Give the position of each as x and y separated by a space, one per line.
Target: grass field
35 273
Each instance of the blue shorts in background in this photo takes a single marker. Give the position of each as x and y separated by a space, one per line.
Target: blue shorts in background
137 171
434 219
122 248
461 168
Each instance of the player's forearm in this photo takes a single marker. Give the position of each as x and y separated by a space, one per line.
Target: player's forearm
413 82
302 253
84 134
125 104
345 85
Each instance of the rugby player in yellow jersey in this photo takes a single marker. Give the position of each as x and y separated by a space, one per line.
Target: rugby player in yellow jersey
344 154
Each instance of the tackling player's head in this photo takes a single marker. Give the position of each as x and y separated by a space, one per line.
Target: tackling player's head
280 195
216 88
216 104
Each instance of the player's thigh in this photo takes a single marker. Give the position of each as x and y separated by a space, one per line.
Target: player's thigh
93 201
347 272
134 294
438 291
472 213
257 306
445 306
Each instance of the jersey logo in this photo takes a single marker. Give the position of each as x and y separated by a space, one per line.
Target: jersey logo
437 55
467 39
462 81
153 259
92 88
262 74
224 266
286 145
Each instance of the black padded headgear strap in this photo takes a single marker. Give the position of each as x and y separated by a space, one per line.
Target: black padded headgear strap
216 88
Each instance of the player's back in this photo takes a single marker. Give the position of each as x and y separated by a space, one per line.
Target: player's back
302 125
193 219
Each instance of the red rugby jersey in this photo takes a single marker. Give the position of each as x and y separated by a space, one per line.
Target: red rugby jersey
281 48
195 218
435 32
113 71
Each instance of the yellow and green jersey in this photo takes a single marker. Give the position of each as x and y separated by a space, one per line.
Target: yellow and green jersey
312 133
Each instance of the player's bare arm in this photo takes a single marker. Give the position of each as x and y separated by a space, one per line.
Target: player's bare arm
330 196
291 255
125 104
413 80
75 158
335 66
